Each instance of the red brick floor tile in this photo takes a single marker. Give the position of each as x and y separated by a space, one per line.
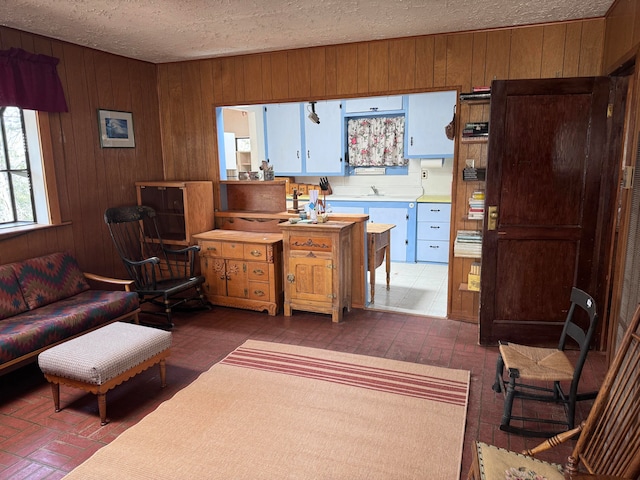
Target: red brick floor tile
36 442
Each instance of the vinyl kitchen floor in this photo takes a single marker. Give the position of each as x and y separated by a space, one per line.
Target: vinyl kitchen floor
419 288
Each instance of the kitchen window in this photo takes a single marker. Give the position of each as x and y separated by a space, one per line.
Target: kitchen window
376 141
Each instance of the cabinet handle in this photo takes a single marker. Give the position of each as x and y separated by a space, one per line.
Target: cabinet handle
308 154
412 141
258 293
435 227
212 249
258 271
435 210
298 153
291 278
434 246
256 253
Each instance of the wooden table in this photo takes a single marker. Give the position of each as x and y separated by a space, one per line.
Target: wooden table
378 248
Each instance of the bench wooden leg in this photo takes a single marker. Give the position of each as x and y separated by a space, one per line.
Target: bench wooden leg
102 408
55 391
163 373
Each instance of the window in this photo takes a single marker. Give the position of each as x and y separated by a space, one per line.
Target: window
23 198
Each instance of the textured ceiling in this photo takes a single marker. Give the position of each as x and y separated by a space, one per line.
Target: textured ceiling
161 31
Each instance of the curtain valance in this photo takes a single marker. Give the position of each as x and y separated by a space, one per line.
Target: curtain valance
30 81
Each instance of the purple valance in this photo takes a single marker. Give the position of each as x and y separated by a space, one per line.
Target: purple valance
30 81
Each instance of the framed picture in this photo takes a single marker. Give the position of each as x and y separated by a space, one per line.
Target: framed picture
116 129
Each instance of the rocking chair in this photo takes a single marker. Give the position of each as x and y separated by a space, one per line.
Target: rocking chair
529 368
609 442
162 276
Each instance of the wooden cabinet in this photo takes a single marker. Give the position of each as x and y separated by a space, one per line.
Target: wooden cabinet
242 269
317 267
427 115
182 208
433 232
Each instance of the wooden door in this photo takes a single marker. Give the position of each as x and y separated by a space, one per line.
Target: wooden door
313 279
551 176
237 278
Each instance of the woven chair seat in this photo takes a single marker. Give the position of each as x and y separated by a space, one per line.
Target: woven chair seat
537 363
498 464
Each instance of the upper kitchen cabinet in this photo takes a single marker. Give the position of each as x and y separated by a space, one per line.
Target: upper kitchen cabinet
427 116
323 141
283 127
369 105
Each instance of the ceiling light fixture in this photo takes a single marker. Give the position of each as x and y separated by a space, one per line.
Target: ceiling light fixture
313 116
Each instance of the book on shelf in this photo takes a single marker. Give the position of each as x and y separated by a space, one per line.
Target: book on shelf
475 96
481 88
476 129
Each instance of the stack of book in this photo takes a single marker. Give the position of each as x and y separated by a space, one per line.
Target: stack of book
475 130
468 243
478 93
476 205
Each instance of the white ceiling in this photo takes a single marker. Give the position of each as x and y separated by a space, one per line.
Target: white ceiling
161 31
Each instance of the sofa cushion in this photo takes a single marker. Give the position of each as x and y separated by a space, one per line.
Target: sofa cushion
49 278
11 299
44 326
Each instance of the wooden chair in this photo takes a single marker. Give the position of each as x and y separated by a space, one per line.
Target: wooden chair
609 442
162 275
536 373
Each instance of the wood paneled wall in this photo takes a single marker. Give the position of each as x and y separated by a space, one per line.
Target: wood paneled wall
188 91
89 178
622 34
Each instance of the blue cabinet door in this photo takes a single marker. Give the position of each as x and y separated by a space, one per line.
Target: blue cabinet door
427 115
323 141
283 137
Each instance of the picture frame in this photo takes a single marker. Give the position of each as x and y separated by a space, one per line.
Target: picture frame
116 129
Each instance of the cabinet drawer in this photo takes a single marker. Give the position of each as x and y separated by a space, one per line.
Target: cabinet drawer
311 243
233 250
433 231
211 249
254 251
432 251
259 291
434 212
258 271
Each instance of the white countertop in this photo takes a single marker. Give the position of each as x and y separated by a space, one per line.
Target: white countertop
372 198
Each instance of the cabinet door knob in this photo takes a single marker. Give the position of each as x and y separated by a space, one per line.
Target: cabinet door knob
291 278
256 253
258 271
258 293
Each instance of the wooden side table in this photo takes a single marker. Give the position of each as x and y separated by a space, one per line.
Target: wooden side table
379 248
317 267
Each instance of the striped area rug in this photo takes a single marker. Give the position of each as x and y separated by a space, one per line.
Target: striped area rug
276 411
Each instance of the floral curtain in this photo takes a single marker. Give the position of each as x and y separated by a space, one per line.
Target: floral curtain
376 141
30 81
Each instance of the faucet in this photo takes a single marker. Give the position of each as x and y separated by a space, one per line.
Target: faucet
375 190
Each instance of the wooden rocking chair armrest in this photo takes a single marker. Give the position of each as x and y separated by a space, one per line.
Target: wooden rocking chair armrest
554 441
110 280
153 260
190 248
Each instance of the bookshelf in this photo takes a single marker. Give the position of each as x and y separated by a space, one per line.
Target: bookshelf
470 171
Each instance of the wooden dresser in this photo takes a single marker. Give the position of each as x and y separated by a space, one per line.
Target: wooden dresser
242 269
317 267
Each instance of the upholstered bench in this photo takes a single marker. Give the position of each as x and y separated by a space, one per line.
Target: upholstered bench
104 358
